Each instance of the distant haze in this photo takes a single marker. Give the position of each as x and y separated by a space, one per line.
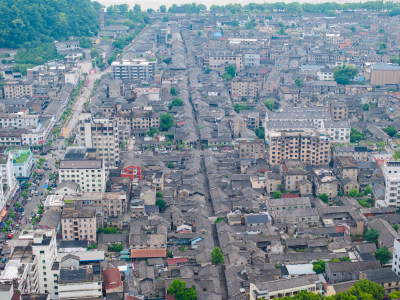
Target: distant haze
155 4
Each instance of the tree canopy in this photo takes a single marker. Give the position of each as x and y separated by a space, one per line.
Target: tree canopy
26 22
216 256
178 289
166 121
356 135
383 255
343 74
372 235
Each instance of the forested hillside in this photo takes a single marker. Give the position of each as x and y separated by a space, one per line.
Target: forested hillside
27 22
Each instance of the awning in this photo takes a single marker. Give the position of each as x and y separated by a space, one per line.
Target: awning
3 214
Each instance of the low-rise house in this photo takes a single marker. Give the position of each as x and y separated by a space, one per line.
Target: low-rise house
336 272
78 283
385 277
387 234
285 287
308 216
346 167
253 220
293 172
288 203
347 216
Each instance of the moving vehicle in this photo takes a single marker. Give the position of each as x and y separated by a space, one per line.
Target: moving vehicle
8 251
10 236
4 260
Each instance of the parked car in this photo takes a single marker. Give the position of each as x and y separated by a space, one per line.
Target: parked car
3 266
8 251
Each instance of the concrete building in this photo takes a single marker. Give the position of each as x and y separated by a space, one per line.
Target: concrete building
133 69
79 167
325 182
218 60
285 287
396 257
391 174
307 216
251 59
80 283
346 167
78 224
17 89
7 179
18 120
246 87
23 161
309 147
100 134
293 173
44 247
254 148
382 73
339 110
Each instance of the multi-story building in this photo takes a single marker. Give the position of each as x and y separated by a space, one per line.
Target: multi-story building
391 174
17 89
254 148
134 69
308 216
325 74
285 287
339 110
44 247
221 59
251 59
139 121
18 120
346 167
7 179
396 257
23 161
308 146
80 283
246 87
100 134
325 182
332 38
80 167
78 224
11 137
358 153
293 173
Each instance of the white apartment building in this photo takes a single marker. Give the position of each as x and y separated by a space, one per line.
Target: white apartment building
100 134
396 257
391 174
90 175
7 179
18 120
44 248
132 69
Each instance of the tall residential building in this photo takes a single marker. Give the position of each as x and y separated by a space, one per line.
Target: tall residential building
391 174
44 247
133 69
308 146
78 224
252 148
7 179
396 257
17 89
81 166
100 134
339 110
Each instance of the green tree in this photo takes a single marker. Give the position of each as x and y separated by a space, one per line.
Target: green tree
383 255
216 256
356 135
94 53
367 190
137 8
345 258
353 193
363 286
165 19
231 71
353 29
390 130
343 74
152 131
396 155
176 102
173 91
366 106
260 132
396 227
319 266
110 230
270 104
163 8
372 235
161 204
394 295
170 165
159 195
180 292
116 248
166 121
324 197
298 83
277 195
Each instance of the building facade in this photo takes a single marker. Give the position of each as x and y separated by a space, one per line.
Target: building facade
391 174
134 69
78 224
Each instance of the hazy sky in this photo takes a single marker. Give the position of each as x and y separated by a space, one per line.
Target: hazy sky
155 4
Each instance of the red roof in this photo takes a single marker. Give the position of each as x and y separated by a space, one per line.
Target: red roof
112 278
148 253
176 260
290 195
129 297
